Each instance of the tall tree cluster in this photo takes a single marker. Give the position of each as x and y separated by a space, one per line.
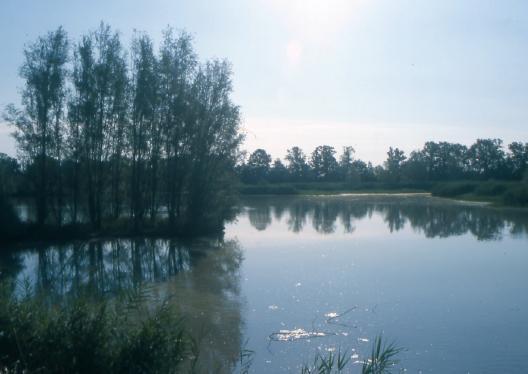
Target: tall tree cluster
436 161
106 132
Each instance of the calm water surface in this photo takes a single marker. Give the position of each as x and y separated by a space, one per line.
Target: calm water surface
293 276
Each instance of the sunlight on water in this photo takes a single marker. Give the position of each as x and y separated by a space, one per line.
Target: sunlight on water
294 276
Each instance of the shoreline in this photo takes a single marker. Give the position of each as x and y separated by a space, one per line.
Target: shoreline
28 234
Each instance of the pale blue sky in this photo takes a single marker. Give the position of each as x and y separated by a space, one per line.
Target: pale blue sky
341 72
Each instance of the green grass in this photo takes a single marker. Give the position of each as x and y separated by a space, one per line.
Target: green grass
330 188
126 335
499 193
381 361
382 358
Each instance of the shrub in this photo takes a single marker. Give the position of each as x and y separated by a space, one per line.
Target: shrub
81 336
491 189
267 189
453 189
9 221
516 195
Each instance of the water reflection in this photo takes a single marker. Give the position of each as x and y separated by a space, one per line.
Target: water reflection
201 277
431 216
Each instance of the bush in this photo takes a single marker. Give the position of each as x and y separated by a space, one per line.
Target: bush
516 195
9 221
267 189
124 336
453 189
491 189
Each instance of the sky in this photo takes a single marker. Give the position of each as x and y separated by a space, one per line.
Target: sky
365 73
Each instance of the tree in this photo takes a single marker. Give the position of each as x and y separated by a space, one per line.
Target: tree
444 160
323 162
258 166
518 159
393 165
346 167
143 126
297 166
9 174
176 72
81 117
162 131
39 127
278 172
487 158
98 112
214 146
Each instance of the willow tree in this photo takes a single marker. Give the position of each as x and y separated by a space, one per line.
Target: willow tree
81 115
97 116
39 125
143 126
214 145
176 72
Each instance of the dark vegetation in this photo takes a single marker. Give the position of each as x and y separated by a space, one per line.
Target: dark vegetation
484 170
101 140
126 335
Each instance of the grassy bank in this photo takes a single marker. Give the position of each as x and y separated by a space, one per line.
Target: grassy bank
330 188
498 193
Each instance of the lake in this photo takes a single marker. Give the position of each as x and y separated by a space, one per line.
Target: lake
293 276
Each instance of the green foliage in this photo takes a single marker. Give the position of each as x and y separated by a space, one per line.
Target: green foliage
491 188
516 195
323 162
486 157
507 193
127 335
39 133
454 189
9 174
161 130
268 189
328 364
246 359
297 166
9 221
381 361
436 162
382 358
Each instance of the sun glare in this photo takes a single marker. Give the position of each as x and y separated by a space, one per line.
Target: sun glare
314 19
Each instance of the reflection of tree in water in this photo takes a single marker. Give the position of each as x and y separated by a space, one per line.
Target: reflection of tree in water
212 306
260 217
297 217
324 217
279 211
102 267
435 222
352 212
393 217
433 217
201 277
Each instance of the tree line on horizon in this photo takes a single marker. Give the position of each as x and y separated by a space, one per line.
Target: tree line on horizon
485 159
105 131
